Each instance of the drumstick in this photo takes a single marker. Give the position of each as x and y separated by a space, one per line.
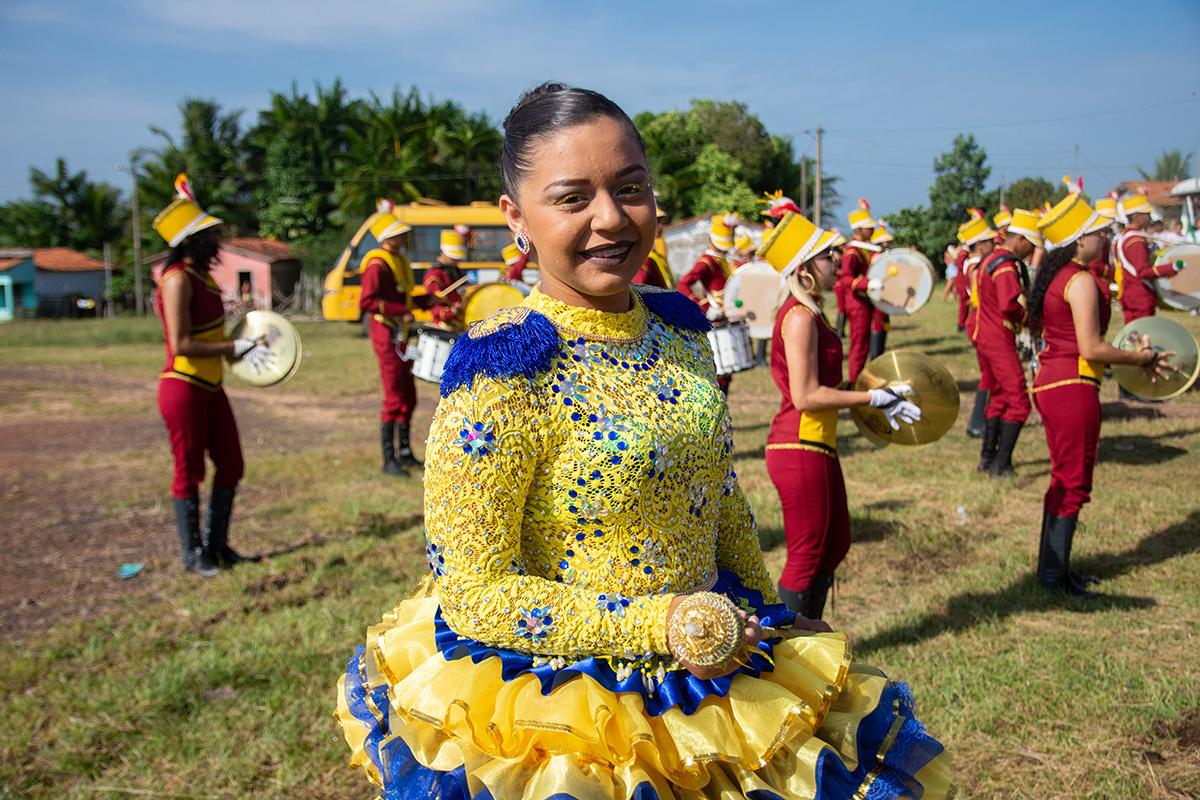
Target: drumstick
442 294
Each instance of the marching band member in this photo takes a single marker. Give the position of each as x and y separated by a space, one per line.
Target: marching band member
978 242
1065 302
881 323
961 288
710 272
598 621
656 271
191 400
1135 256
387 284
1001 220
852 277
445 304
837 250
514 262
806 364
1106 273
997 320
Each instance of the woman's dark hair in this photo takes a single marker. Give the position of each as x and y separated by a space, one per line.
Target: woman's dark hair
547 109
1051 265
201 247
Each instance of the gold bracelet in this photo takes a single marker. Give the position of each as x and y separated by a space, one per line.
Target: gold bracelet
706 631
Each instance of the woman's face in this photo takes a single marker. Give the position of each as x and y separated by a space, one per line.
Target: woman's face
588 210
823 270
1090 247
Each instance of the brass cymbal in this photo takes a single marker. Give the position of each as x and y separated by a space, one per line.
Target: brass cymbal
281 339
1165 336
934 391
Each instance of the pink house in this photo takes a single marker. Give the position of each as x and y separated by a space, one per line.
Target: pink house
259 273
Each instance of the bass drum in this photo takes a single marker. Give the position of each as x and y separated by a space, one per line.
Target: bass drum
1182 290
281 339
488 298
752 296
906 280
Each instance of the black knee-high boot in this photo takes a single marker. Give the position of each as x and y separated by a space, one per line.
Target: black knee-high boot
841 324
991 440
978 414
794 601
404 453
216 531
878 342
1002 466
1054 562
187 524
818 593
387 440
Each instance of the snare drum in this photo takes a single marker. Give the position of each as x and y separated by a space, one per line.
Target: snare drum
433 348
732 350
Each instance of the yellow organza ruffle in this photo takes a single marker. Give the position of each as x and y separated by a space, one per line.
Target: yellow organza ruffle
588 742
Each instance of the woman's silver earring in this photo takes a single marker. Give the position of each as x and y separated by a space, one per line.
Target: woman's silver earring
523 243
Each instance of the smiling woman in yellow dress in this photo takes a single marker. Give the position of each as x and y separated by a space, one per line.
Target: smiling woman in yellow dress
599 622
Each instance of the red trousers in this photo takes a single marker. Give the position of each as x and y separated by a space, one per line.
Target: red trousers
399 389
199 420
1010 397
1071 417
986 381
859 316
816 518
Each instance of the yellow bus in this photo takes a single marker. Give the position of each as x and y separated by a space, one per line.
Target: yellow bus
484 264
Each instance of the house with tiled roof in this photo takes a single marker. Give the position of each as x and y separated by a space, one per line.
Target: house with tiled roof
1157 192
251 271
68 283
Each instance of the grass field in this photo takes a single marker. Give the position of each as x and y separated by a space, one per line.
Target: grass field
167 685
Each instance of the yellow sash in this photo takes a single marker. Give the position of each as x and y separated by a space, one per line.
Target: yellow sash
398 264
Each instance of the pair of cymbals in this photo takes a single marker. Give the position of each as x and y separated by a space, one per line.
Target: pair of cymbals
934 391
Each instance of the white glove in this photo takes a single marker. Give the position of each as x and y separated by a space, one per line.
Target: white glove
874 285
259 357
714 312
893 405
241 347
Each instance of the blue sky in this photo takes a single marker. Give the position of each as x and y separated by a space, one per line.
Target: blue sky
891 82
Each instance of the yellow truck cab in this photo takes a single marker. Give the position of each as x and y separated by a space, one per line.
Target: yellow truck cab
484 264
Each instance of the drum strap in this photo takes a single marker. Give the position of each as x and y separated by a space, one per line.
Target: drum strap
400 268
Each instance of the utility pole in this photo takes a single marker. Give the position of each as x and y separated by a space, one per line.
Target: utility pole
804 186
139 302
1002 190
1075 165
817 182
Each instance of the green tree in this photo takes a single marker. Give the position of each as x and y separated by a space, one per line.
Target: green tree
720 186
1172 165
67 210
958 184
1032 193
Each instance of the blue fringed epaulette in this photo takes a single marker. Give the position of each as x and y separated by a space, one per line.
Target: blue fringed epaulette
513 341
674 309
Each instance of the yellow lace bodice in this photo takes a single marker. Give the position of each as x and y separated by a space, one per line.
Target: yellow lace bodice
564 510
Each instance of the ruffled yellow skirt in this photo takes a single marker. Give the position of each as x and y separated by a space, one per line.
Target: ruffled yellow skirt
422 725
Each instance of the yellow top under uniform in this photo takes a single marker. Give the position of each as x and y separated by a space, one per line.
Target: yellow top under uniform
579 474
608 475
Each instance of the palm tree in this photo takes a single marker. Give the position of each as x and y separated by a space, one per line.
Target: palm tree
1172 165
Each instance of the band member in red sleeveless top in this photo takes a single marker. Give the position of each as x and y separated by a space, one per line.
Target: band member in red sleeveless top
1134 254
852 277
1067 305
806 364
1000 315
191 400
387 285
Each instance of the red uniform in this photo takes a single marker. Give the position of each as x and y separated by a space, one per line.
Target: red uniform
962 288
1067 392
387 302
971 270
803 463
859 311
999 316
711 272
438 278
1105 274
1133 254
190 398
651 273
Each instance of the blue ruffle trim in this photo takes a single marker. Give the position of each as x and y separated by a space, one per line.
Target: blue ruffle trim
524 348
676 310
893 779
678 689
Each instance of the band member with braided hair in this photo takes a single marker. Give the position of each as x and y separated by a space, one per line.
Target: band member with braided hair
1066 305
191 399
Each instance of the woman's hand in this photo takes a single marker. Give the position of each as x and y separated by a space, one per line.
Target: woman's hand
813 625
1155 362
890 400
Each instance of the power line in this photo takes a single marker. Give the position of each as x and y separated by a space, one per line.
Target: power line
1021 123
